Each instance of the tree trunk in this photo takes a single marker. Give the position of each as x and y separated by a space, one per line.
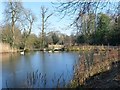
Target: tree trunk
13 30
42 30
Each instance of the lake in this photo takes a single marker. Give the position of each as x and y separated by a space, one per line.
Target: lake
15 67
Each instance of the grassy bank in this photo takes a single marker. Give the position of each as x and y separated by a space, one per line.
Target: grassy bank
92 64
107 79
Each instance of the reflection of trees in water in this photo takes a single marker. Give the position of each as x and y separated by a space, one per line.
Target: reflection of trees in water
41 79
14 62
43 55
30 62
10 56
29 55
11 60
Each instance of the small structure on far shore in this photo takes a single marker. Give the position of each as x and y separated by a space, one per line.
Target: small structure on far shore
55 47
22 53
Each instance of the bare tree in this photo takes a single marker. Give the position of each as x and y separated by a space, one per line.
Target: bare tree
45 17
79 9
27 24
85 14
12 15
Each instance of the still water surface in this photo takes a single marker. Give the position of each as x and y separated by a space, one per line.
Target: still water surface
15 67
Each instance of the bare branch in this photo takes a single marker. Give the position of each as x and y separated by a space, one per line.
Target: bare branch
48 17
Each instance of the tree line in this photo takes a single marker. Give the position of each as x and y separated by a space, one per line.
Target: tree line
94 24
33 41
107 32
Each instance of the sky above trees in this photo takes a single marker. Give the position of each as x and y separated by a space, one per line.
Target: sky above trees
54 23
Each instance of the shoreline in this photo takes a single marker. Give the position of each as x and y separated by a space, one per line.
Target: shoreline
69 48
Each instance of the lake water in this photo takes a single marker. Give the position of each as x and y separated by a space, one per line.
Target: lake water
15 67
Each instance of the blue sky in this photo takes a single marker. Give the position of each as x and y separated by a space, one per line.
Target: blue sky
54 22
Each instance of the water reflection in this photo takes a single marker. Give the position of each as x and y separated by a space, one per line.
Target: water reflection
15 66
